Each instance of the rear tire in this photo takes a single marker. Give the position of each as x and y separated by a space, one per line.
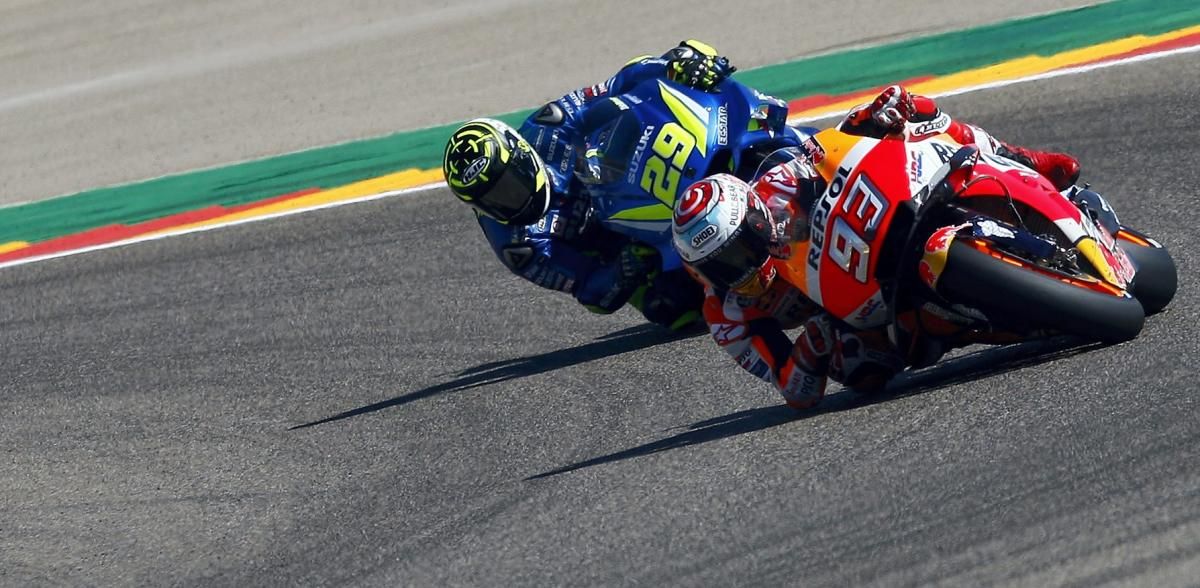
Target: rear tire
1156 280
1001 289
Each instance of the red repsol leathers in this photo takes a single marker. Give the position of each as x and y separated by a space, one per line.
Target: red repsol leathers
753 329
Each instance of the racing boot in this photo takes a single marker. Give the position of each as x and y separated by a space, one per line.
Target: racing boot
1061 169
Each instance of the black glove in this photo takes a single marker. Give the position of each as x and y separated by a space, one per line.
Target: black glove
637 263
671 299
697 65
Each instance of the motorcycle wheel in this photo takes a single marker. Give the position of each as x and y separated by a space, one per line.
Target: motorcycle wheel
1000 284
1156 280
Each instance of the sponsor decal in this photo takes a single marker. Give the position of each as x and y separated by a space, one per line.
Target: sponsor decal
868 309
916 167
782 178
472 172
723 125
636 161
937 249
596 90
940 239
989 228
726 334
820 215
704 236
938 125
944 151
1112 252
620 103
694 203
1102 260
814 150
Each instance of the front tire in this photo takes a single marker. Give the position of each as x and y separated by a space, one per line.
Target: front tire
1156 280
1010 289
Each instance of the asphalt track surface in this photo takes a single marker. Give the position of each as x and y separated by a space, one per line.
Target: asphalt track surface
109 92
152 396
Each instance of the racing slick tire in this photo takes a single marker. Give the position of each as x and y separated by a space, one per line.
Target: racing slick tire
1009 290
1156 280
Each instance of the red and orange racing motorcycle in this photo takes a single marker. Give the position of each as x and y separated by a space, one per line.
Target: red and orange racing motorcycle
933 240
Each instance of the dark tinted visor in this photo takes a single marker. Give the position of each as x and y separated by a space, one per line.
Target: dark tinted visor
515 191
743 255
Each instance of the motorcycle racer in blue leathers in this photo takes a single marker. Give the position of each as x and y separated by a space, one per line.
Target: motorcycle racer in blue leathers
536 214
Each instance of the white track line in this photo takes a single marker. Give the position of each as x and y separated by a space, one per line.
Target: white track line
188 231
437 185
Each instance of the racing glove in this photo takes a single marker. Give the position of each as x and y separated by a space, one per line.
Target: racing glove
637 263
634 266
892 108
697 65
670 299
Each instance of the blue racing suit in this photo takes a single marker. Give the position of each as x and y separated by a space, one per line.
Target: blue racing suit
566 250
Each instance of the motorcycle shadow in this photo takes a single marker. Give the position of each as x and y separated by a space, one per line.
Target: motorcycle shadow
970 367
990 361
615 343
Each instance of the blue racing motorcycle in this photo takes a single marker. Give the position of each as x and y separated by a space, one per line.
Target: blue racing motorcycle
646 146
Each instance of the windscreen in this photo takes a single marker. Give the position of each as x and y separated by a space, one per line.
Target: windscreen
615 145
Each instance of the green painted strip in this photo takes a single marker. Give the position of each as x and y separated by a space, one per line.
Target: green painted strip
828 74
953 52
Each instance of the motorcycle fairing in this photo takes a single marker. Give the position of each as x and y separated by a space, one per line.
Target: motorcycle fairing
867 181
1092 240
660 138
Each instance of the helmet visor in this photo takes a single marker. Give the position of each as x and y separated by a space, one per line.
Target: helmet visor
736 261
515 195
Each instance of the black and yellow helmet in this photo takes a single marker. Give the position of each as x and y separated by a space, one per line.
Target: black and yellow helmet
489 166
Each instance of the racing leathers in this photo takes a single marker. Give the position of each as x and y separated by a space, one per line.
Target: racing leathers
753 329
565 250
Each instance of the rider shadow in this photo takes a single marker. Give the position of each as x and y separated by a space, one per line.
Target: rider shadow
623 341
980 364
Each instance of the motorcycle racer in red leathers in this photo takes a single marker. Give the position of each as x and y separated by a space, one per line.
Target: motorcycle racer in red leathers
733 236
